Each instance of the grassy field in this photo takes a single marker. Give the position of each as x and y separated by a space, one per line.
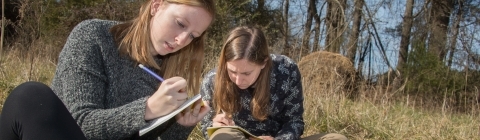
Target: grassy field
372 116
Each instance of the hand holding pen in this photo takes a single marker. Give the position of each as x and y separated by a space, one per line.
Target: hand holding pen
222 119
169 96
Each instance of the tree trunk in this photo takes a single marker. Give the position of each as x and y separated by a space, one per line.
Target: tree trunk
312 10
455 28
335 24
440 11
406 30
316 38
404 43
353 39
3 28
260 5
287 49
259 14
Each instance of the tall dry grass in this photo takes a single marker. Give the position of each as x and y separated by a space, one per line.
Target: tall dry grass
373 115
365 118
17 66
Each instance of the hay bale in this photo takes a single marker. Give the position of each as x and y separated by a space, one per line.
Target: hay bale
326 72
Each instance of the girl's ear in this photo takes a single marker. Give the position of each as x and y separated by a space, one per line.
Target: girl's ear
156 5
265 62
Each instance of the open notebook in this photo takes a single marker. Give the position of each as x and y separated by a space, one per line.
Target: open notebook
210 131
158 121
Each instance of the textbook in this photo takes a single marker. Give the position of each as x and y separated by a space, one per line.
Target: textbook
158 121
210 131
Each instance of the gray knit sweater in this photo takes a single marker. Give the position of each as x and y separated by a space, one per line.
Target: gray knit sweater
106 92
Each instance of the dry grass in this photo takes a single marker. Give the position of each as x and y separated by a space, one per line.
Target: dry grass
330 111
371 116
324 67
325 70
374 114
17 67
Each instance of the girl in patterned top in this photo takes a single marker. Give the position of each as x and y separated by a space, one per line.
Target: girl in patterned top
255 90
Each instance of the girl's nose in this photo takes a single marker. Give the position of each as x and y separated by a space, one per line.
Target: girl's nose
182 39
238 80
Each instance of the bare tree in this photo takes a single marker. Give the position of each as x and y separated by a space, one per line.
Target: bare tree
377 38
406 31
312 10
286 32
3 27
353 39
439 17
316 29
260 5
454 30
335 24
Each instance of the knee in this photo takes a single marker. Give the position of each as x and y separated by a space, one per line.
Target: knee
32 86
31 90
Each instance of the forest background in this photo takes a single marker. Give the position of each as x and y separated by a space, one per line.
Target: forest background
414 64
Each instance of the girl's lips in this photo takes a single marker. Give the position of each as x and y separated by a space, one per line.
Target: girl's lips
168 47
242 86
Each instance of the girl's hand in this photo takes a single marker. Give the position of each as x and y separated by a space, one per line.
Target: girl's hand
169 96
191 116
222 120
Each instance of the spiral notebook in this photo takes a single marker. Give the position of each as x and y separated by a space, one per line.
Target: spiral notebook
158 121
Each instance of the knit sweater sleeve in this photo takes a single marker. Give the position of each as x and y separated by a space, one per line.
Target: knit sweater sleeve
80 81
206 91
291 86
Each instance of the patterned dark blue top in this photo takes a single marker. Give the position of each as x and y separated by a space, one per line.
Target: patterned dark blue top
285 118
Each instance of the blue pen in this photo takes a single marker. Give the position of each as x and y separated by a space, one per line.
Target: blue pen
151 72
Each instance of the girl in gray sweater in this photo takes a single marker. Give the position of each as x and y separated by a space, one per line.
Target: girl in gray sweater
101 88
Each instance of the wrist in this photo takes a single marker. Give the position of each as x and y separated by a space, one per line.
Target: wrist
149 115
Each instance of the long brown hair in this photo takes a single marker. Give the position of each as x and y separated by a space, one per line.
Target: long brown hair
133 39
245 42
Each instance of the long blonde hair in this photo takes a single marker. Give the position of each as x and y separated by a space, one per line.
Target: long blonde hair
133 39
245 42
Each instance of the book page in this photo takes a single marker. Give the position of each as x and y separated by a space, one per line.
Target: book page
158 121
211 130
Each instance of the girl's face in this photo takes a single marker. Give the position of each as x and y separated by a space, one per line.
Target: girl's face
243 73
173 26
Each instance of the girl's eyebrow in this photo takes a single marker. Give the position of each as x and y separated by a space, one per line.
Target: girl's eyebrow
230 70
240 72
246 72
